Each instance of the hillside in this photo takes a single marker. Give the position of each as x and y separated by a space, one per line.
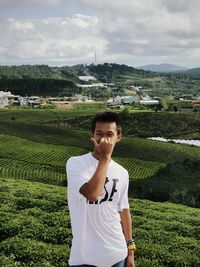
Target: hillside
45 80
39 80
152 124
35 228
194 70
40 142
159 83
36 72
164 67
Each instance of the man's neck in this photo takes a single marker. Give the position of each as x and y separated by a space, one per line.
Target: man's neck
97 155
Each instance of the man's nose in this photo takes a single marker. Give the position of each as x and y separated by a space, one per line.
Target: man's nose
104 136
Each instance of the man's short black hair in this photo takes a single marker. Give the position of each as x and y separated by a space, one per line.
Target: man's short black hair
106 116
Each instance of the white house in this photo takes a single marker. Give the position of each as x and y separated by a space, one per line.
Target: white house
4 101
147 101
14 99
87 78
34 101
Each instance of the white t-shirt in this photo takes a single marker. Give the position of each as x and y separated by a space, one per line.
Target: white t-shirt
98 238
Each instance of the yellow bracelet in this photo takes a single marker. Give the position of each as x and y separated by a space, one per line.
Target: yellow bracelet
132 246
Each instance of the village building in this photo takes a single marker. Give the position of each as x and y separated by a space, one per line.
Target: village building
7 98
148 101
128 100
33 101
120 101
4 99
87 78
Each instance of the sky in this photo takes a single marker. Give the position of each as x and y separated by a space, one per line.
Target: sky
69 32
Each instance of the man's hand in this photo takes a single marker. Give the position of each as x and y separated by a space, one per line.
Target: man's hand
130 261
104 148
103 152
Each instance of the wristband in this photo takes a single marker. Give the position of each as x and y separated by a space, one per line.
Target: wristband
132 247
131 244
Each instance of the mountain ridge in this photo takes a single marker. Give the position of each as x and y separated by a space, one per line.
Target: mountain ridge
163 67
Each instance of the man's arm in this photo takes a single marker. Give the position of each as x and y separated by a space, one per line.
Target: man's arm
94 187
126 223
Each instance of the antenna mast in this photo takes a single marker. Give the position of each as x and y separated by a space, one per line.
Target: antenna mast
95 57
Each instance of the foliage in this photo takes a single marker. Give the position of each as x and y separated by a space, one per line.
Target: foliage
35 228
40 87
178 182
36 72
109 72
151 124
23 159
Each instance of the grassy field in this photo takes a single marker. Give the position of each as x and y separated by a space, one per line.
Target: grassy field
142 158
35 228
34 222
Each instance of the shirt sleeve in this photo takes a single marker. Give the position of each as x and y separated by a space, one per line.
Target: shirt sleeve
77 175
124 203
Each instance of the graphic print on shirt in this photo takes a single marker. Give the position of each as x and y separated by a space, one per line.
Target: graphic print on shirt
108 196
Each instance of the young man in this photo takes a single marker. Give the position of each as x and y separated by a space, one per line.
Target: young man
98 201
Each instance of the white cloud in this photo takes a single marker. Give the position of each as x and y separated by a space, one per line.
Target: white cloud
84 21
20 26
52 39
158 28
131 31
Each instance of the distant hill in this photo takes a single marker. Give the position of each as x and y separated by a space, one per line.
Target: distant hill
37 72
164 67
40 80
62 81
194 70
112 72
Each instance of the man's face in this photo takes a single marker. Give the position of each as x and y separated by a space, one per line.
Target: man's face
106 130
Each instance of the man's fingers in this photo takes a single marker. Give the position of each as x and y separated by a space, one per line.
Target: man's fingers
102 140
110 141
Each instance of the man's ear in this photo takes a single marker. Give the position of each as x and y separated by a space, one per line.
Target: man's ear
119 137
